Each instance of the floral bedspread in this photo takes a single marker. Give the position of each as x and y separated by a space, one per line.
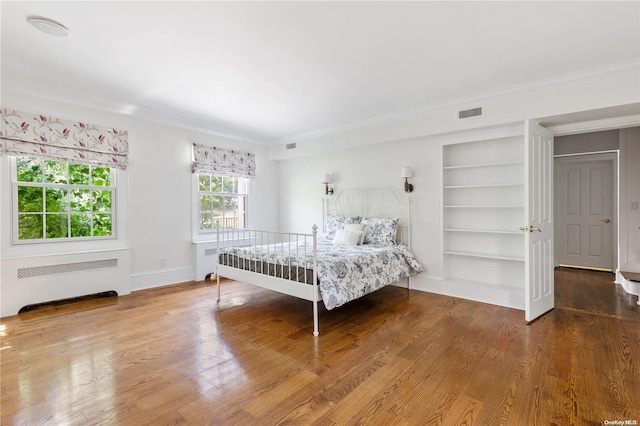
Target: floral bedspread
345 273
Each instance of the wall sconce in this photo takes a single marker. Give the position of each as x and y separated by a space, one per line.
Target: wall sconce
326 180
406 173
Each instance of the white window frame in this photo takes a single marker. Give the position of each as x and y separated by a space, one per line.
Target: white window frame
14 206
210 235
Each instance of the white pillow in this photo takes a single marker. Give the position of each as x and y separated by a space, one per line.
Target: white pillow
357 227
347 238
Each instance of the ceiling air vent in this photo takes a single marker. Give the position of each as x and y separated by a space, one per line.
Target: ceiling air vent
291 145
473 112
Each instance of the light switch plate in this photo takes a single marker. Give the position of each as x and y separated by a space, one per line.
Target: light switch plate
634 205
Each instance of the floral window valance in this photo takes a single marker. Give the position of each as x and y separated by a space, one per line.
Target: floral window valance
55 139
227 162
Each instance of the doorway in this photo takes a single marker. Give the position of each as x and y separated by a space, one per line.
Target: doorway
585 209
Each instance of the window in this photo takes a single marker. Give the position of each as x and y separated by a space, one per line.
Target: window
222 202
59 201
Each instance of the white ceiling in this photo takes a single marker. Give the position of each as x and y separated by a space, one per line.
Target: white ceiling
272 71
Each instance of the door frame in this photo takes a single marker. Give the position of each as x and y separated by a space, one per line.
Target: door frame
611 156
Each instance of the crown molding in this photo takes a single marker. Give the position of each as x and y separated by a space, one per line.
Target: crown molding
614 70
142 116
599 125
609 71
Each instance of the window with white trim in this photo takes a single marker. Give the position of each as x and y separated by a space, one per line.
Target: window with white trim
223 178
62 201
223 201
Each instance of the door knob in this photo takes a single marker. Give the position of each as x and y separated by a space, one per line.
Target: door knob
606 220
529 228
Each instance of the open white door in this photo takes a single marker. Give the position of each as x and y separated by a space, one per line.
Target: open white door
539 292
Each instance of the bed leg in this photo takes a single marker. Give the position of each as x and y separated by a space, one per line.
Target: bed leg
315 319
218 286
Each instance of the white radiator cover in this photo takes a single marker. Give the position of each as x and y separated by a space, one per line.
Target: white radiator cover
37 279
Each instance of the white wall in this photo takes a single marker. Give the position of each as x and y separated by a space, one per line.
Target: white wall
377 165
159 196
555 97
373 156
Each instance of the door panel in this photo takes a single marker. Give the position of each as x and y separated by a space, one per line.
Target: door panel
539 288
584 200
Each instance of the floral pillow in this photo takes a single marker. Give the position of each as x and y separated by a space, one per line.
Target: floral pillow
380 232
334 223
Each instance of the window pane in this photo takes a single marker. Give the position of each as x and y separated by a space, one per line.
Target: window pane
216 184
57 225
30 199
55 172
28 169
102 201
78 174
101 176
56 200
204 183
30 226
218 218
206 221
206 203
81 225
217 201
101 225
230 185
230 203
80 200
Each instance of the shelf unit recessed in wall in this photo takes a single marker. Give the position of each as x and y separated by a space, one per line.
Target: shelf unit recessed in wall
483 207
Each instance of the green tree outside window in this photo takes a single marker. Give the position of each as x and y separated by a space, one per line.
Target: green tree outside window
59 200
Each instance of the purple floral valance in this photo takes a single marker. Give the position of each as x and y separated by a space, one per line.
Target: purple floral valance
227 162
52 138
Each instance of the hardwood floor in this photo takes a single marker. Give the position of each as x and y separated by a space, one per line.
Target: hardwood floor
173 356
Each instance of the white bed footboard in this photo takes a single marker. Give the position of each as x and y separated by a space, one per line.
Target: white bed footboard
281 277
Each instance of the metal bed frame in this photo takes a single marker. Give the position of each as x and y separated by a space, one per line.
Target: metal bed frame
363 202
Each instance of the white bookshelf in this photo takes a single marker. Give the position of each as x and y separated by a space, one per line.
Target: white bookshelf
483 207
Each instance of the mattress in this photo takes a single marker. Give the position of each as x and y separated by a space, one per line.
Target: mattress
344 272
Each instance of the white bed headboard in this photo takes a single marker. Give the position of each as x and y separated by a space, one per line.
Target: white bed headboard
372 202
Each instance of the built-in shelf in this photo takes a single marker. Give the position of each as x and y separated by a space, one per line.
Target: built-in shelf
486 255
483 197
495 185
484 231
474 166
482 207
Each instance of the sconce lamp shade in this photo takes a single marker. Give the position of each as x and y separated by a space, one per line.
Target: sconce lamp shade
406 172
326 180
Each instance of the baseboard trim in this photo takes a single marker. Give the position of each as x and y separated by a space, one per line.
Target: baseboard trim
509 297
161 278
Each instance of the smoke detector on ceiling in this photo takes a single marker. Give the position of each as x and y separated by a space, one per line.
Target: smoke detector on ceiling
48 26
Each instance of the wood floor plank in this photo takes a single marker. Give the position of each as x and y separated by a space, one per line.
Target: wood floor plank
172 355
